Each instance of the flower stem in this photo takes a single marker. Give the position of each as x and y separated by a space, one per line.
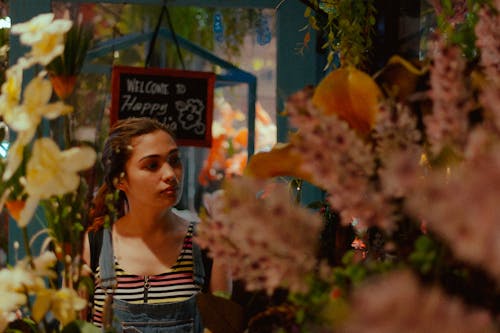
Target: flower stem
27 249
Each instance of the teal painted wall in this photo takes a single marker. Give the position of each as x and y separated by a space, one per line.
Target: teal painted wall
295 71
21 11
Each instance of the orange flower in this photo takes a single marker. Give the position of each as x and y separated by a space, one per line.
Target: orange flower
262 115
63 85
350 94
236 164
215 160
15 207
282 160
336 293
241 137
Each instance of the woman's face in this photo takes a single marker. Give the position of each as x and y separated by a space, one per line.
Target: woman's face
153 173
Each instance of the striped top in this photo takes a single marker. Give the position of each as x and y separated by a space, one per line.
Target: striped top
176 285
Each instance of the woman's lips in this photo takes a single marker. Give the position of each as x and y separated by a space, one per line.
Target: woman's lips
169 191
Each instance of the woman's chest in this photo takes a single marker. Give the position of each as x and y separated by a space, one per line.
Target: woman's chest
141 259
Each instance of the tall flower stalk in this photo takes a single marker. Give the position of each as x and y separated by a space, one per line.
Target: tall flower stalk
38 172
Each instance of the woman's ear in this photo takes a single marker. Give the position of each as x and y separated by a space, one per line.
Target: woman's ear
121 184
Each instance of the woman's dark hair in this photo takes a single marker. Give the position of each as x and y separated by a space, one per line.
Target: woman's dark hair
115 154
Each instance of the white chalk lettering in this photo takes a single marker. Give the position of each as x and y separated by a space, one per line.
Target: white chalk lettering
180 89
155 88
135 86
128 104
131 104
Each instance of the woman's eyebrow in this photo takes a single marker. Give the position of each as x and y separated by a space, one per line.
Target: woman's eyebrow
170 153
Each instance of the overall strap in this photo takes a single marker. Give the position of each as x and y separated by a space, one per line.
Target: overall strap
107 261
95 244
198 267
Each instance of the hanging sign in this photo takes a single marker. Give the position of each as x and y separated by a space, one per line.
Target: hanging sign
183 100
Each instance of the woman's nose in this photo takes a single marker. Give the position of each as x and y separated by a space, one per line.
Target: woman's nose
167 172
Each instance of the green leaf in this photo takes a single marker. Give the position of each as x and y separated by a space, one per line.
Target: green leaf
78 326
307 12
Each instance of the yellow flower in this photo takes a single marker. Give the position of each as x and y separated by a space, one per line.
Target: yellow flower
66 303
4 321
44 264
20 279
10 301
45 35
36 105
11 90
63 303
15 155
32 31
53 172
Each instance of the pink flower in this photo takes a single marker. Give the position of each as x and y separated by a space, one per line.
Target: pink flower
341 163
398 303
451 98
266 240
488 41
462 208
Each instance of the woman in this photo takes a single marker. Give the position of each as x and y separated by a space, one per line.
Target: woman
146 264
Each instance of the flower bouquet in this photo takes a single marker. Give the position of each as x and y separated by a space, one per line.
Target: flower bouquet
39 293
407 236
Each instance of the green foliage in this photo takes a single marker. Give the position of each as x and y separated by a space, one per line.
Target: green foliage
318 306
77 43
461 34
80 326
347 29
191 23
425 255
66 216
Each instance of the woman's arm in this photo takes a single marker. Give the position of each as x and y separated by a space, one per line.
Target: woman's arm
221 278
86 250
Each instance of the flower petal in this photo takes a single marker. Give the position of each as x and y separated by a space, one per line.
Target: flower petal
78 158
351 94
37 92
54 110
28 211
282 160
15 155
42 304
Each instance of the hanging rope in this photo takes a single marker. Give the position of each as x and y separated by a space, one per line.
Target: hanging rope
174 35
164 11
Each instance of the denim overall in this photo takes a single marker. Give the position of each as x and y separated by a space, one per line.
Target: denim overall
178 317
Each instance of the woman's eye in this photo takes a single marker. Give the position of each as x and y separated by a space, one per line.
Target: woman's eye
152 165
174 161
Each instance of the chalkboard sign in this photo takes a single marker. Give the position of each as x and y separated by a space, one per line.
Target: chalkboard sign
183 100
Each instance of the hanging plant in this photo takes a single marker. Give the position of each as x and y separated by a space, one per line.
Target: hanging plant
346 26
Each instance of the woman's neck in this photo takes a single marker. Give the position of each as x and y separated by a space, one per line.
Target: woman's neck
141 223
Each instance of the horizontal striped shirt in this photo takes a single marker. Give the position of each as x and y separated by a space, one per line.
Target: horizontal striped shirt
176 285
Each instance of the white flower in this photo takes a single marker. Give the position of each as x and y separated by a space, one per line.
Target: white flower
36 105
15 156
10 301
44 263
19 279
11 91
53 172
32 31
45 35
